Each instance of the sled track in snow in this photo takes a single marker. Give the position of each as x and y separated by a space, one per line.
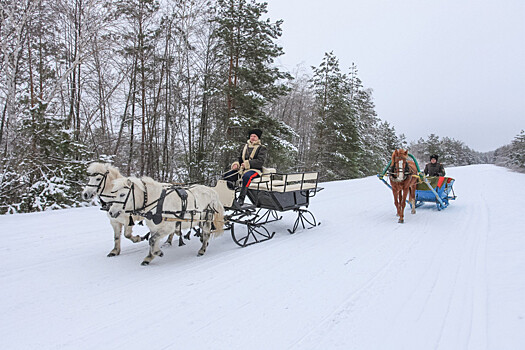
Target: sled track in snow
338 311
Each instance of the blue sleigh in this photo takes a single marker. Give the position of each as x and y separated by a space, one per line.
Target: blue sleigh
432 189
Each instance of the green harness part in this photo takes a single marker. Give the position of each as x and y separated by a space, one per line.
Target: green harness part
411 156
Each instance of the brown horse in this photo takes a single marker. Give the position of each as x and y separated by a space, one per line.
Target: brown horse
403 180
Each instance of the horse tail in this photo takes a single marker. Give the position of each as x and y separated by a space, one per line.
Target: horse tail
218 217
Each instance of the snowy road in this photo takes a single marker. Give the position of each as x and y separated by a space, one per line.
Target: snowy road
443 280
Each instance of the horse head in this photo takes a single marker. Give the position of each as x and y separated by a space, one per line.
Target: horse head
101 177
128 192
399 165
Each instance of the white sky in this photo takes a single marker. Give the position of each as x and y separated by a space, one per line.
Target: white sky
451 67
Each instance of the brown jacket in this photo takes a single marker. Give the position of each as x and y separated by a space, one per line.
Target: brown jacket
252 156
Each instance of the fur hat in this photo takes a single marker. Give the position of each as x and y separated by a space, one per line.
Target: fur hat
435 156
257 132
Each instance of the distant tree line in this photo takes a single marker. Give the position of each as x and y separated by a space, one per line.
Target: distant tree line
451 152
512 155
169 89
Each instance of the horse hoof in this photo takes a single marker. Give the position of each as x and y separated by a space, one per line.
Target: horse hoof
401 221
145 263
111 254
166 244
146 237
200 253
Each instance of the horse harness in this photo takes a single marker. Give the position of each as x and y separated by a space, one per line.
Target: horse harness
101 186
393 170
159 215
406 171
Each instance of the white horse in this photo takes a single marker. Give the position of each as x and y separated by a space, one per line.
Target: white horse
201 208
101 179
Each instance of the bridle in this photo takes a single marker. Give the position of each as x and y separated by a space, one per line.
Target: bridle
131 193
101 186
400 171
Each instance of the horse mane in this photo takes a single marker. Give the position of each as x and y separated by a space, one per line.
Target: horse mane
149 180
143 180
98 167
119 183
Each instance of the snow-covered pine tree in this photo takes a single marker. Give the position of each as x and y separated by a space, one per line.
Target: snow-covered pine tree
389 140
246 45
43 165
517 153
50 168
337 139
433 146
371 158
451 152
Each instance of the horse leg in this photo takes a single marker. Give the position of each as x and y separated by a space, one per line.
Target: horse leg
398 204
153 248
128 234
396 201
401 207
206 231
117 228
413 198
403 204
169 241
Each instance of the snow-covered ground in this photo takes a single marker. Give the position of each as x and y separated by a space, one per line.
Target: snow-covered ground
453 279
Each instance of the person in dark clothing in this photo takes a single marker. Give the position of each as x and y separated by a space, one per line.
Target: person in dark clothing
249 165
434 168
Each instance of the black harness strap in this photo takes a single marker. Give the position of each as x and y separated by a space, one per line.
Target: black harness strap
394 169
105 205
157 217
101 186
184 205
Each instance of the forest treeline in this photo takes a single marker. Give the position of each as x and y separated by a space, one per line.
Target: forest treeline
168 89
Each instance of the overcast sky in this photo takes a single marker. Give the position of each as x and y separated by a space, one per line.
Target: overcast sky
451 67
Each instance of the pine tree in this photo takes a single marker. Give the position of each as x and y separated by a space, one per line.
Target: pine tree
389 140
517 153
337 138
249 80
371 158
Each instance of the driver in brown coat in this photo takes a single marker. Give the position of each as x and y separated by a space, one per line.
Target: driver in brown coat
249 165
